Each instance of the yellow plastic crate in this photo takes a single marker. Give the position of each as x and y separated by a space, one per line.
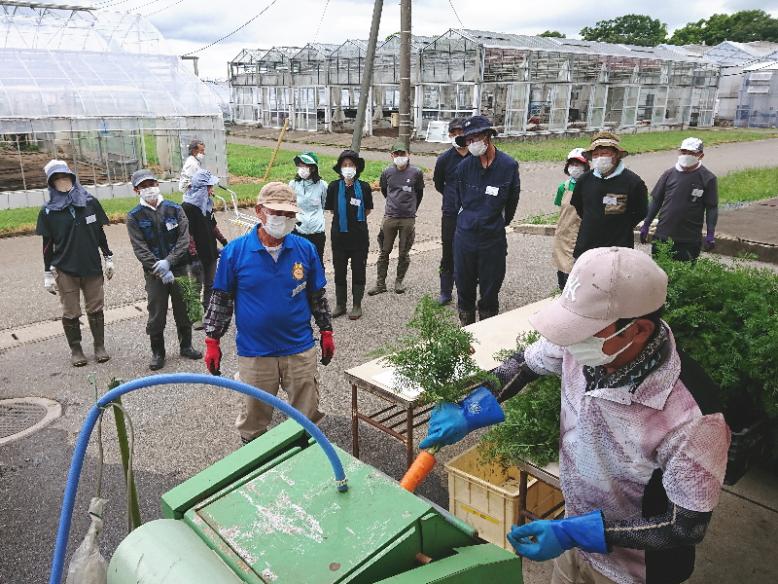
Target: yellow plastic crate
487 496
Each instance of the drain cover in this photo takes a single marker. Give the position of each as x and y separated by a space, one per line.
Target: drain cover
20 417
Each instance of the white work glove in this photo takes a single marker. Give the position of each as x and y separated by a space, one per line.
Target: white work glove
109 269
160 268
167 277
49 282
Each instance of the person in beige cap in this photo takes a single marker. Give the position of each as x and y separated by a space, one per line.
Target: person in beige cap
681 197
274 282
611 200
643 447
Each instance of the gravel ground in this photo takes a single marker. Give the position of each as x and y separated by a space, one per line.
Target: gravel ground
181 430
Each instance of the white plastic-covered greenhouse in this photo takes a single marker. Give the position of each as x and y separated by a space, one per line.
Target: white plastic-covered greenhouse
98 89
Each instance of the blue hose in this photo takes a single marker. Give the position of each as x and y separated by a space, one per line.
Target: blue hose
71 486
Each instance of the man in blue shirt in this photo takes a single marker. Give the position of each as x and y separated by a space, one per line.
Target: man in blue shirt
487 194
443 177
274 282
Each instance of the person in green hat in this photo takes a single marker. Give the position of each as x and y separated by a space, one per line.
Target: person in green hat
403 187
311 193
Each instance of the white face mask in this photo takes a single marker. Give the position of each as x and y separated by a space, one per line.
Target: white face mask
150 194
688 160
200 156
603 164
63 184
348 172
576 171
589 352
477 148
303 172
401 161
278 226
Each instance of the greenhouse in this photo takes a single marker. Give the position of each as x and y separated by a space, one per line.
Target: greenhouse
527 84
96 89
758 101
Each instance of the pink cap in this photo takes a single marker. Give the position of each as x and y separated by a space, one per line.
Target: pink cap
606 284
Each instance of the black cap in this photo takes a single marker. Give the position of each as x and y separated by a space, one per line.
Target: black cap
475 125
456 124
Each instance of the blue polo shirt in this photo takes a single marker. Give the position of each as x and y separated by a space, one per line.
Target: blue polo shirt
272 314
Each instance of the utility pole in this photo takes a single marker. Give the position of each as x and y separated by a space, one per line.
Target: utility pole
405 72
367 77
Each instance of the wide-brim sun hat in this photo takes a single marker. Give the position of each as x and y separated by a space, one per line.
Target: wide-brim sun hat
353 156
306 158
475 125
278 196
56 166
606 284
605 140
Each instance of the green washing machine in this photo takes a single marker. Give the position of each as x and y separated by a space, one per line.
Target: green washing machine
270 513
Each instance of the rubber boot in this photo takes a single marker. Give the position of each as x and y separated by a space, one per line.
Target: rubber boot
157 352
446 287
357 293
340 301
466 317
484 314
402 269
72 328
380 282
185 342
97 326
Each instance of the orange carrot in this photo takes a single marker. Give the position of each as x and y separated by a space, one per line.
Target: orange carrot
418 471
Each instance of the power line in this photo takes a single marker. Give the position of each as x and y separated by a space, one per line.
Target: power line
454 10
321 20
136 8
229 34
176 3
111 3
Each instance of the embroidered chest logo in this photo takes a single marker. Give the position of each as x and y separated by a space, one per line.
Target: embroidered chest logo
298 273
572 287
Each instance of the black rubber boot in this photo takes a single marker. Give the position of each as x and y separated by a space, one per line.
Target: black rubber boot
185 342
484 314
97 326
72 327
356 309
466 317
446 287
340 301
157 352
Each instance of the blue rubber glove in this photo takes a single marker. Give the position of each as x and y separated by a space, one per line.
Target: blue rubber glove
167 277
449 423
552 537
159 268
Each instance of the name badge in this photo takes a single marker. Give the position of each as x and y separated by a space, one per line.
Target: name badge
299 288
609 200
697 193
171 226
90 219
407 189
493 191
356 202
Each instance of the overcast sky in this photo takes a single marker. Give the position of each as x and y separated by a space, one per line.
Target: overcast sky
192 24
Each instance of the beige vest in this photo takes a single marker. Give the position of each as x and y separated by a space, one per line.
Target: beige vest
566 233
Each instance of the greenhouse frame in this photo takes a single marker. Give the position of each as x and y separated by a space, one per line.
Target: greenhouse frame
758 101
99 90
526 84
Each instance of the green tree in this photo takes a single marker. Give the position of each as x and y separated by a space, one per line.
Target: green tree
553 34
744 26
631 29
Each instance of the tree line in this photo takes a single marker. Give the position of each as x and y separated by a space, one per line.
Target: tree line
639 29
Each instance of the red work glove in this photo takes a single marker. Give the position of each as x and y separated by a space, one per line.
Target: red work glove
327 347
213 356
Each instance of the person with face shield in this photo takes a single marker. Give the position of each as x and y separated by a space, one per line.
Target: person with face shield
611 200
350 201
71 225
402 185
443 177
682 195
311 193
643 443
567 226
487 195
159 234
274 282
192 164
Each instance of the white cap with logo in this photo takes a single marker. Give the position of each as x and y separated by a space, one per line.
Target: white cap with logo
692 145
606 284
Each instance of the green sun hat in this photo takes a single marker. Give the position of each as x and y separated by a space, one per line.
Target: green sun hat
307 158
